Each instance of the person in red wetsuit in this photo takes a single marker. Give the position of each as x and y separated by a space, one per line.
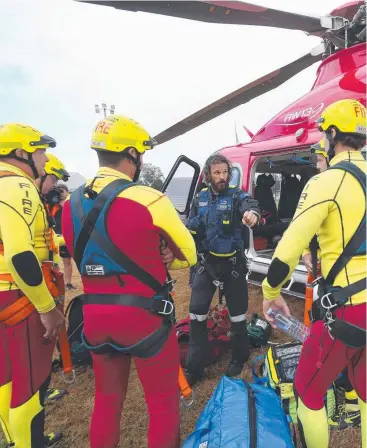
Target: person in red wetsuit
116 231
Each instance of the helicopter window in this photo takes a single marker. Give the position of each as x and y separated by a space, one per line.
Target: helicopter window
236 177
278 181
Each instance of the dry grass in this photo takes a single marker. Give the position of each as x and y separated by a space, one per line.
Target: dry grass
72 414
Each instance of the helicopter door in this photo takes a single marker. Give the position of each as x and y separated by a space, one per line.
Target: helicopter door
180 184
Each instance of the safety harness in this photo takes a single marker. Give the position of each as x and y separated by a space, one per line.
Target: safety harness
113 262
229 225
333 297
217 277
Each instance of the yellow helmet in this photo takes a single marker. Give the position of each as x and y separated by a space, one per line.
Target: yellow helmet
116 133
20 136
319 148
349 116
56 167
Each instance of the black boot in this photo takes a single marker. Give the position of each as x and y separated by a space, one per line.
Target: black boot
234 368
198 348
240 348
192 377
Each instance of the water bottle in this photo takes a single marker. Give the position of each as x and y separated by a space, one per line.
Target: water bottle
293 327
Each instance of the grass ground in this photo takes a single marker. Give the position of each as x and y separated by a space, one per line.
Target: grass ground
72 414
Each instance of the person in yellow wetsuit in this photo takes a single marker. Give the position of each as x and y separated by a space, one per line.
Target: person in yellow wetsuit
53 196
29 318
333 206
54 172
348 414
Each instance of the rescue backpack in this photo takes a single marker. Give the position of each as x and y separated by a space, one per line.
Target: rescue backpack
277 371
219 334
219 327
80 355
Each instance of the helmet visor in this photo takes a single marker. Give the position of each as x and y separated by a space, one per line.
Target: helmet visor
61 174
44 140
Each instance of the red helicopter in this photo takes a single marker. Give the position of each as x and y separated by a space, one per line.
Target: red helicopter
276 163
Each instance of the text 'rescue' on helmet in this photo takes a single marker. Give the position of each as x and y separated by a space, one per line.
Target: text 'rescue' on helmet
56 167
116 133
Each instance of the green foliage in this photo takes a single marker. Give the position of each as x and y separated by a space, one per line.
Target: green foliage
151 176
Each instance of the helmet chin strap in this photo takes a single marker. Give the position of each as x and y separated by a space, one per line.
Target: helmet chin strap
29 162
331 150
137 163
43 178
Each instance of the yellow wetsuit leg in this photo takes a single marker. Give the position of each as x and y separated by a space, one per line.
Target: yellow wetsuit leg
362 407
27 423
313 426
31 358
5 398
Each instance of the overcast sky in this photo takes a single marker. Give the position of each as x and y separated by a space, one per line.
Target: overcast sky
59 58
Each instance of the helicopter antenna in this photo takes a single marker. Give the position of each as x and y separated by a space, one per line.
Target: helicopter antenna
235 131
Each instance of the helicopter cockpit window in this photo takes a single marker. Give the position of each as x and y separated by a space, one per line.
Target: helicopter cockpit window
236 177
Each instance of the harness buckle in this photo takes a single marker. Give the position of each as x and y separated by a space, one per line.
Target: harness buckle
200 270
248 275
329 305
218 284
316 282
202 258
235 274
169 304
234 260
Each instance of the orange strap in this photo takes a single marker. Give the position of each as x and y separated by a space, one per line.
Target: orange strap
184 385
8 174
52 211
23 307
308 299
54 278
65 351
6 278
17 311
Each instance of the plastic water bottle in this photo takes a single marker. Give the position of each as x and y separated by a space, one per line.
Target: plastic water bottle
293 327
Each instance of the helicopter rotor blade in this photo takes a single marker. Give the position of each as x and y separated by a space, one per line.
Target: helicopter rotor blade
225 12
238 97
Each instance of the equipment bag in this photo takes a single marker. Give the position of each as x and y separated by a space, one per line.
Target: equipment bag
80 355
277 370
241 414
219 327
259 331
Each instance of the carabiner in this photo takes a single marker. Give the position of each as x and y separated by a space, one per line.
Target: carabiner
187 403
67 381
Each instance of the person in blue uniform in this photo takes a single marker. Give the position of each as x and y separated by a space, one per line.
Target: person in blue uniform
220 219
